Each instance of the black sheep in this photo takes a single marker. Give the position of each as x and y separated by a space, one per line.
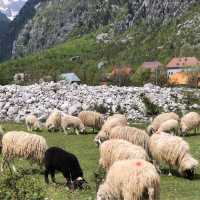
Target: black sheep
66 163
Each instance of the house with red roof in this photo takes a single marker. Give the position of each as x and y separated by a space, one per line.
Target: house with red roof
151 65
182 64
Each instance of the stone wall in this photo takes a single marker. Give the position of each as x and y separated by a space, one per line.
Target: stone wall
18 101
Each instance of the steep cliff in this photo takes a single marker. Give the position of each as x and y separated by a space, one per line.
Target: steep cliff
56 20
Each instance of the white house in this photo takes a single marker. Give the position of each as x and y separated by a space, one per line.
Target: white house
182 64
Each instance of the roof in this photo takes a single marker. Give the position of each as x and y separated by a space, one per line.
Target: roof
183 62
151 65
71 77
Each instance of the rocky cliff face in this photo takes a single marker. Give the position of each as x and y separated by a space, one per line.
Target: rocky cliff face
55 20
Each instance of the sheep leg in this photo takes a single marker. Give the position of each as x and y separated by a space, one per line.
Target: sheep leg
14 168
77 133
155 163
170 174
46 174
52 172
3 164
65 131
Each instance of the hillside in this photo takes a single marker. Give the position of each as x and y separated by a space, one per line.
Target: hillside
179 36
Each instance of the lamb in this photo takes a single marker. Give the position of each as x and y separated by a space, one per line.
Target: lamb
32 123
134 135
133 179
115 149
22 145
174 151
54 121
170 126
190 121
91 119
154 126
65 162
68 121
110 123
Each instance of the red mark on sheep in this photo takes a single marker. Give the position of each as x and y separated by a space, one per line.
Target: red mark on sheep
138 164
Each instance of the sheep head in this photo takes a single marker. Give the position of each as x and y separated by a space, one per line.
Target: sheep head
188 166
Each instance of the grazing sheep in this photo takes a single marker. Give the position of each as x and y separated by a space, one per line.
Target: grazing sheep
19 144
111 122
32 123
91 119
174 151
190 121
134 135
68 121
57 159
115 149
170 126
54 120
154 126
134 179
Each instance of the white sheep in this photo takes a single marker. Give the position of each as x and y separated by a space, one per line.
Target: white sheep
170 126
53 122
110 123
19 144
115 149
189 122
133 179
91 119
174 151
134 135
68 121
154 126
32 123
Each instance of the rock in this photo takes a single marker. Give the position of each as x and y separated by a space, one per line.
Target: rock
41 99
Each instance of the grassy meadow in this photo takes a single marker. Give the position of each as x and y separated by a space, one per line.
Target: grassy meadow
172 188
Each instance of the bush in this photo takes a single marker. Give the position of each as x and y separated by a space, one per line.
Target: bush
151 109
141 77
21 187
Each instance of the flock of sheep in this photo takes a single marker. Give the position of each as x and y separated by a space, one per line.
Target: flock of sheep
130 156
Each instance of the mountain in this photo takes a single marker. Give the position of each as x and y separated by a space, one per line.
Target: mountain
11 7
4 26
55 21
4 23
50 36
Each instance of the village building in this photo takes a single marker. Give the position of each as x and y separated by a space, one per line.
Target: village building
70 78
182 64
151 65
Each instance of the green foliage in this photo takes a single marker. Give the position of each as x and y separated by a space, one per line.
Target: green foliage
18 187
141 77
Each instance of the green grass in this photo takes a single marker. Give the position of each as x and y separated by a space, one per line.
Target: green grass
172 188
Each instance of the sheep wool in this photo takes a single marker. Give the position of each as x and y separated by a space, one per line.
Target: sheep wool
23 145
91 119
32 123
169 126
133 179
110 123
54 121
174 151
134 135
159 120
115 149
68 121
190 121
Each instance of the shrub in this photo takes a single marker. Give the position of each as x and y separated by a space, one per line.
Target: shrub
18 187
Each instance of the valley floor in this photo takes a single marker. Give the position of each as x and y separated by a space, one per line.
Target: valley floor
172 188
